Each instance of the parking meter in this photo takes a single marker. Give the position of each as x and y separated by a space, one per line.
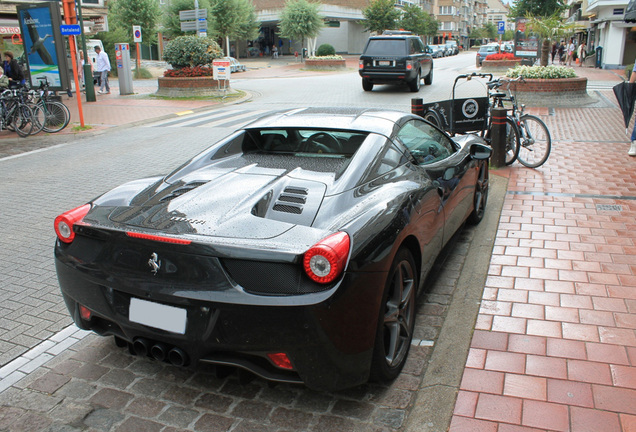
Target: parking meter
124 74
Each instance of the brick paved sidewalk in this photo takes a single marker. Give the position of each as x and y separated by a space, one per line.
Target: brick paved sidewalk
554 347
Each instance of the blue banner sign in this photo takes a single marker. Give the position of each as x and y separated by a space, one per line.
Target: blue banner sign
70 29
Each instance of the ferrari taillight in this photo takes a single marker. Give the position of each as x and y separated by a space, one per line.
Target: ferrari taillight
64 222
326 260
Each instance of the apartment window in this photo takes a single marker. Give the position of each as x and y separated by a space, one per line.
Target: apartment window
618 11
447 10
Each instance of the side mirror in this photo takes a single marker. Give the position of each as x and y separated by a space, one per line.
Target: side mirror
480 151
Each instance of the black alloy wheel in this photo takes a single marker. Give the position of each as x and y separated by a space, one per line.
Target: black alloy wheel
414 85
396 320
481 196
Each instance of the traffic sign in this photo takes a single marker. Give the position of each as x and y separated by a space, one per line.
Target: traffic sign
501 27
70 29
136 33
192 14
194 25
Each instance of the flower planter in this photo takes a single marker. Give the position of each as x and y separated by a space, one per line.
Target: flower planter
325 64
498 65
191 86
552 92
561 86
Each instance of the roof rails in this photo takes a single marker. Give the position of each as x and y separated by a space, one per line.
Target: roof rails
396 32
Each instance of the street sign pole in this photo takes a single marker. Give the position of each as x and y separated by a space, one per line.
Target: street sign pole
70 18
89 87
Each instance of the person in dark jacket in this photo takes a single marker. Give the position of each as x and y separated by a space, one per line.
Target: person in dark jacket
12 69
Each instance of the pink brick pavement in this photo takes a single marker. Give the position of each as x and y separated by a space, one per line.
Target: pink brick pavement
554 347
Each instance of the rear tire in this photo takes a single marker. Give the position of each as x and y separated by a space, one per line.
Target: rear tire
367 85
481 196
57 116
512 141
396 320
536 143
414 85
429 78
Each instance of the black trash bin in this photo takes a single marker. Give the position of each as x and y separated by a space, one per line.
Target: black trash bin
599 57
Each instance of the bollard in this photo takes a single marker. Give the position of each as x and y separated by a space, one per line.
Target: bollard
417 107
498 137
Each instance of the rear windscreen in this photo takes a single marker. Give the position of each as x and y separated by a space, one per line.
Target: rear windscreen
386 47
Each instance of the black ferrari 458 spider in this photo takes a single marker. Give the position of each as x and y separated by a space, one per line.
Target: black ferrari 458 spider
294 248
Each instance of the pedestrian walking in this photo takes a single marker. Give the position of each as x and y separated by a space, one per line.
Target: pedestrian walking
102 65
570 52
561 52
555 49
581 53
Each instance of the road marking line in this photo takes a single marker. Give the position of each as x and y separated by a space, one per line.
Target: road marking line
181 113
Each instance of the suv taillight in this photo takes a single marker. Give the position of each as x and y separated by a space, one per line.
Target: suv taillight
361 64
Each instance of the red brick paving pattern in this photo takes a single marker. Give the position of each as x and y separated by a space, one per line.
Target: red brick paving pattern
555 342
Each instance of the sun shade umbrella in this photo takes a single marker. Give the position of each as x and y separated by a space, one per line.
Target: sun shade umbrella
626 95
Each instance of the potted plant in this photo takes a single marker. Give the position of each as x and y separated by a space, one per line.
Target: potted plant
554 81
500 61
191 74
325 59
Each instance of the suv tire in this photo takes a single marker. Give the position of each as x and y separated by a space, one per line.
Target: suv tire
367 85
429 78
414 85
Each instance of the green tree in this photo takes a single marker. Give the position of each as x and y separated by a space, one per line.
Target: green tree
380 15
123 14
543 8
418 21
490 31
233 19
509 35
548 29
172 23
301 19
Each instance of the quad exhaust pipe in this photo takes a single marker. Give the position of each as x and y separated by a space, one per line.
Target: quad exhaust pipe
158 351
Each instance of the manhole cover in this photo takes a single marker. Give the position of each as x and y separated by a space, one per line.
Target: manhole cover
609 207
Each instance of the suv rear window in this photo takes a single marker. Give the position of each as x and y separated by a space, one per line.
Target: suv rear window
386 47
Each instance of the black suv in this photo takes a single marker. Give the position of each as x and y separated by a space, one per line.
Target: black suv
394 59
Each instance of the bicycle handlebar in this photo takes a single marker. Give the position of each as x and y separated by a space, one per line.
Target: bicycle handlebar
474 74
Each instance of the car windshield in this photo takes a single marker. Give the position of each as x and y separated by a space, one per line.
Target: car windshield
386 46
308 142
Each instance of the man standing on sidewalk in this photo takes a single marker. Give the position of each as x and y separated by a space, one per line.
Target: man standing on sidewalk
103 67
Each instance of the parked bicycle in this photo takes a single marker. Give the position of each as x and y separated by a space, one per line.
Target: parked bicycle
534 141
57 115
15 115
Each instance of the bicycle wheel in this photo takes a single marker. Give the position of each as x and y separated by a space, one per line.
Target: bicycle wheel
512 141
535 141
57 116
21 120
38 118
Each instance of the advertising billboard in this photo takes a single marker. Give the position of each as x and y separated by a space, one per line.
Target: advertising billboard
526 42
43 43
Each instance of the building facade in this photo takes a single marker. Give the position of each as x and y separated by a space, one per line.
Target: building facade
605 27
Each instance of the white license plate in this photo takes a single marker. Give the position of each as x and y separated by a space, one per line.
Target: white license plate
169 318
384 63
